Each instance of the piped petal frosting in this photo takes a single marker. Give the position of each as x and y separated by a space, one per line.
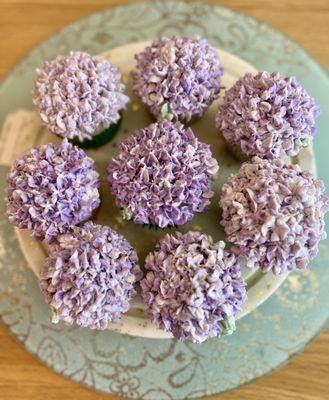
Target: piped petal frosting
50 189
268 115
162 175
183 73
88 278
193 287
78 95
273 213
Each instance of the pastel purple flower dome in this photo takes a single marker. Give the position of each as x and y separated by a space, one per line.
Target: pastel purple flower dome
273 213
183 73
79 95
193 288
88 278
162 175
50 189
268 115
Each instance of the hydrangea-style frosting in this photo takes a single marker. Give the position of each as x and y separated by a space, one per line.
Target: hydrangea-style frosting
193 288
268 115
50 189
273 213
183 73
162 175
89 276
78 95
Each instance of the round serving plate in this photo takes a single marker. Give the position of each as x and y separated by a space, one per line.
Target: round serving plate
136 322
137 367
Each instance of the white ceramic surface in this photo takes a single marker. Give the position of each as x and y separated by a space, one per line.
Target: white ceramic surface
136 322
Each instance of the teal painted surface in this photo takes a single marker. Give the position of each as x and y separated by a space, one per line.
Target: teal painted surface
152 369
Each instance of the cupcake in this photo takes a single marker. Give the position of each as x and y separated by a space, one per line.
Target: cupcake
273 213
193 288
88 278
162 175
50 189
267 115
181 74
80 97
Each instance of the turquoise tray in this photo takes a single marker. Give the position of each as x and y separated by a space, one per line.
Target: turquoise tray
165 369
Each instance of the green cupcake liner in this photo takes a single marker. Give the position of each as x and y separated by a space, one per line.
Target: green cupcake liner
100 139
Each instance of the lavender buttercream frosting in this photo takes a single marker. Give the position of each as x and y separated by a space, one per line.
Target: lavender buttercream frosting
79 95
193 287
183 73
268 115
162 175
273 213
50 189
88 278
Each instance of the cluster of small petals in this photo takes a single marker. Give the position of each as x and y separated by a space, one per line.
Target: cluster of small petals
162 175
78 95
267 115
192 285
181 72
50 189
88 278
273 213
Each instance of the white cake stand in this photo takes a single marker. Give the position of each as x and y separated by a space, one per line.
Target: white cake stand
27 125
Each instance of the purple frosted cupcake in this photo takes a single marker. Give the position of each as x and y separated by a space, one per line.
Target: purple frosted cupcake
193 288
268 116
80 97
88 278
50 189
181 74
273 213
162 175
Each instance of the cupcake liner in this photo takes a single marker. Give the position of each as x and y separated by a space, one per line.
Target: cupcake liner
102 138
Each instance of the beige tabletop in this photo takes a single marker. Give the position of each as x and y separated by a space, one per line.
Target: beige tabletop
23 24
